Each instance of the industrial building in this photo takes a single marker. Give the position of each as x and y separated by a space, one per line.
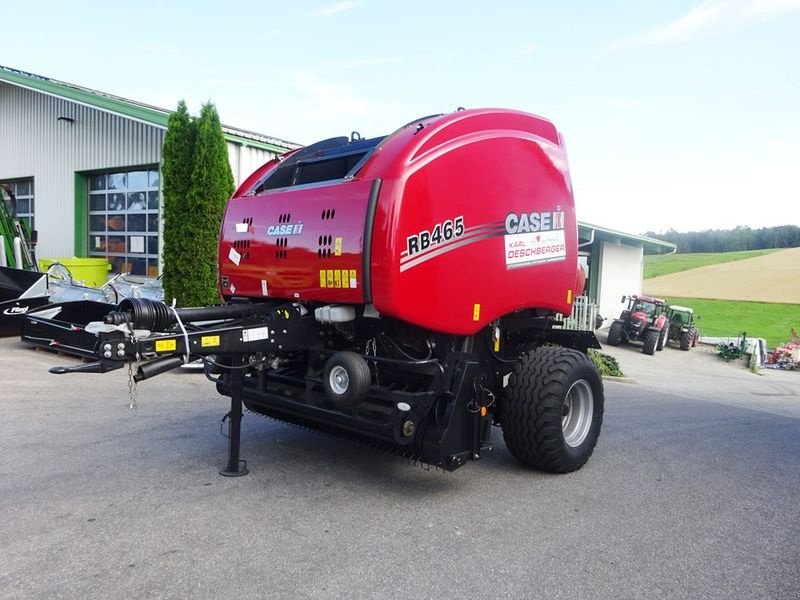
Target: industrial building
85 168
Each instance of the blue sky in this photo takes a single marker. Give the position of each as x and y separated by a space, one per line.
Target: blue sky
682 114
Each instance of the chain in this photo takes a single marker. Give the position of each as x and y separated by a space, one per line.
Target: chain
131 388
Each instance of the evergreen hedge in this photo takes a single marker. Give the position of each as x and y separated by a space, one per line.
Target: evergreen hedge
197 185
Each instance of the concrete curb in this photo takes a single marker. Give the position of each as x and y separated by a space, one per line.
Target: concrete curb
619 379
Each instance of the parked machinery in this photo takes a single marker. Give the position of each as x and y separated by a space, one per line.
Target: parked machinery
643 320
682 327
399 290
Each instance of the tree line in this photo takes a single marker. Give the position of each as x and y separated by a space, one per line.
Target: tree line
731 240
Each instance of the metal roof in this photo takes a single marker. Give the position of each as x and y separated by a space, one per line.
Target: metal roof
651 244
130 109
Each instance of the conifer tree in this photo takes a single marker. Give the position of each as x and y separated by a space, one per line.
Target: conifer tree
211 186
178 165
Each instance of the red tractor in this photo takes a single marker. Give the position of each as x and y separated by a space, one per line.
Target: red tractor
400 290
643 320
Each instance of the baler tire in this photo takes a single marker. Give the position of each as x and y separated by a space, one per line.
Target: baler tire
662 339
346 379
553 409
615 334
650 341
686 342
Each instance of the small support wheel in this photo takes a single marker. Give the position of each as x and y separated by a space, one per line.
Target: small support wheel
346 379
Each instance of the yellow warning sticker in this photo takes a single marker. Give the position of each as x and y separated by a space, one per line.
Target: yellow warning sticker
353 280
569 296
209 341
476 312
329 276
337 278
345 279
337 247
322 280
166 345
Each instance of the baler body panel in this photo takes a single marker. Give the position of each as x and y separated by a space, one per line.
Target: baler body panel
474 220
302 243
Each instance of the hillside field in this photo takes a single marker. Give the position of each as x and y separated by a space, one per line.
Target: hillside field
657 265
757 292
771 277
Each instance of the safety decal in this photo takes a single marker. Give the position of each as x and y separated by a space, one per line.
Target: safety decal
234 256
323 280
337 247
209 341
264 290
329 277
242 227
166 345
337 278
353 279
476 312
255 334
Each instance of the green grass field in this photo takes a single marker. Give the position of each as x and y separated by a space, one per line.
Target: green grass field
656 265
720 318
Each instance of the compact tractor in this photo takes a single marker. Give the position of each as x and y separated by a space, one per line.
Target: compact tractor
682 326
644 320
399 290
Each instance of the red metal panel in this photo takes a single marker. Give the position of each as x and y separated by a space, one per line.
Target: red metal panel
290 242
475 219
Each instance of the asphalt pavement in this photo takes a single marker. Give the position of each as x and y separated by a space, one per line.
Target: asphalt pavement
693 492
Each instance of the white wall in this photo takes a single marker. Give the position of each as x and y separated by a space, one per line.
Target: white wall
34 143
621 271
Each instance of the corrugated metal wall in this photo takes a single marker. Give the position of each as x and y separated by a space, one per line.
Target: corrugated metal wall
34 143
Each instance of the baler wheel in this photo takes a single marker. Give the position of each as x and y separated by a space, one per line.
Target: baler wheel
615 334
346 379
650 341
553 409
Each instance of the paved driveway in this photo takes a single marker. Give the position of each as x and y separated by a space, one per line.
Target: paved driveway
692 493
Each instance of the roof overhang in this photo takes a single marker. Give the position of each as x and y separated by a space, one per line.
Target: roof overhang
129 109
588 233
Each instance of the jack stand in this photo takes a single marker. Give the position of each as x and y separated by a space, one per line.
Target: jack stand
236 467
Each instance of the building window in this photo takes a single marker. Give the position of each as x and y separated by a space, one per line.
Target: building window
23 192
123 219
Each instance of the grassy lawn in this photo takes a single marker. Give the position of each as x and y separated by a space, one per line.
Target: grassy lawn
655 265
720 318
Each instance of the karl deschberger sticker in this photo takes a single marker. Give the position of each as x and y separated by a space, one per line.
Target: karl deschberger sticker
538 238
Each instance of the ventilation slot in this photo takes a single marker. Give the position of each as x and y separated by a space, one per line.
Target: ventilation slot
243 248
281 252
325 250
328 214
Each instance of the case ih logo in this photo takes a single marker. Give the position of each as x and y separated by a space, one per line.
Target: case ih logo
286 229
535 221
